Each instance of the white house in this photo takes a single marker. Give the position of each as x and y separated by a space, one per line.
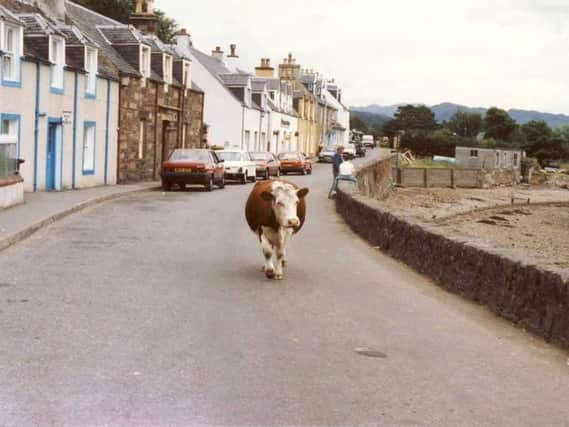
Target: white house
61 118
339 133
232 116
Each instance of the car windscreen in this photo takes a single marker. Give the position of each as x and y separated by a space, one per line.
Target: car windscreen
289 156
261 156
230 156
191 155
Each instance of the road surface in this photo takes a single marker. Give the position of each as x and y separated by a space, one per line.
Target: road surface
152 310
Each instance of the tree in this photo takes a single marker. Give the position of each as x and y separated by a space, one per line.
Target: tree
415 118
499 125
357 123
466 125
121 10
536 132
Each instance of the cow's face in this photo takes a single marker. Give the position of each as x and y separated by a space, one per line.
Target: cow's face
285 199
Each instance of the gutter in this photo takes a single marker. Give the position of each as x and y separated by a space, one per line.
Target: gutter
73 168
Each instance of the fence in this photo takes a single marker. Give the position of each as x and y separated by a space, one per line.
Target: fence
452 178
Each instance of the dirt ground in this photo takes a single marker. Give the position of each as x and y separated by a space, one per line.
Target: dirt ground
541 231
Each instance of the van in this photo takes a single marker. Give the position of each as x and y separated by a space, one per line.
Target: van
368 141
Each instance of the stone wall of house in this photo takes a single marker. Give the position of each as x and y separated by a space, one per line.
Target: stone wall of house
160 113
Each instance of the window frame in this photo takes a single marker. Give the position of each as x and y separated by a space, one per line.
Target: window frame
187 73
145 61
57 60
168 68
91 78
141 135
474 154
88 125
11 138
15 54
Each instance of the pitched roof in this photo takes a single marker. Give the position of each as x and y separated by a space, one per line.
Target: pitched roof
258 85
119 34
235 79
213 65
75 37
37 24
8 16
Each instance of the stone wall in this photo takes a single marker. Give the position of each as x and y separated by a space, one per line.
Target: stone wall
461 178
11 191
534 298
375 178
161 113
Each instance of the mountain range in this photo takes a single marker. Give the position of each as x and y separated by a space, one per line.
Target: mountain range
444 111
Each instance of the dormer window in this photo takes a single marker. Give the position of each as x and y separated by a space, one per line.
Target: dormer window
12 47
168 66
187 74
145 61
91 66
57 59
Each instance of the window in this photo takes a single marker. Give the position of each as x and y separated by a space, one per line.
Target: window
516 160
57 59
247 139
89 149
91 66
168 64
497 160
145 61
473 153
9 136
187 74
141 141
11 45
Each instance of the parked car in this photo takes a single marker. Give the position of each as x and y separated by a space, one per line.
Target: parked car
327 154
238 165
295 162
368 141
350 149
191 166
267 164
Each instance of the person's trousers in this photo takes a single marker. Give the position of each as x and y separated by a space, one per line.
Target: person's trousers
337 178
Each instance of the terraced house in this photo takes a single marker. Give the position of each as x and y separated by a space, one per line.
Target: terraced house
160 108
58 103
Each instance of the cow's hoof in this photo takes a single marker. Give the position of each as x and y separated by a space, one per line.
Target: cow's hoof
270 274
285 262
279 277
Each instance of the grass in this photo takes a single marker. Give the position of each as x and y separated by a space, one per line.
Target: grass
429 163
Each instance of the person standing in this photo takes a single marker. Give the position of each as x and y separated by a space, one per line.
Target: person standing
337 160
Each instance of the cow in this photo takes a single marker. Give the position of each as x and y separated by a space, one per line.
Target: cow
275 210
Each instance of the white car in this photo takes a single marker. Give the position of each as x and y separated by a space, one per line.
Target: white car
350 149
238 165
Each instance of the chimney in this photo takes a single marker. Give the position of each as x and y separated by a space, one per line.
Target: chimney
289 69
265 70
54 9
232 60
217 53
184 39
144 18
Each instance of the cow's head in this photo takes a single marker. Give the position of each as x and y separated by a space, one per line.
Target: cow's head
284 199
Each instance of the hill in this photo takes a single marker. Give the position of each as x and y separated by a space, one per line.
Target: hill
372 120
444 111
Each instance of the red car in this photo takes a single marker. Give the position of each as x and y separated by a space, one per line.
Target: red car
267 164
295 162
192 166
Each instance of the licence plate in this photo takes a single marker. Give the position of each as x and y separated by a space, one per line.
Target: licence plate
188 170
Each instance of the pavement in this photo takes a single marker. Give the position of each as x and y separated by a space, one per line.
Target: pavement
43 208
152 310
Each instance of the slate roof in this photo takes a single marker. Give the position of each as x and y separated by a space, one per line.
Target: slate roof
8 16
37 24
258 85
75 37
235 79
213 65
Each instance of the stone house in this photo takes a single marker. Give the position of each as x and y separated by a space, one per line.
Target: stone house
491 158
58 101
160 108
232 116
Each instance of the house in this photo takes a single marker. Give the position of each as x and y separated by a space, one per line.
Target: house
232 116
339 133
160 107
58 100
484 157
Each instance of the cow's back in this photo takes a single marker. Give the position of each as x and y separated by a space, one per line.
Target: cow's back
259 212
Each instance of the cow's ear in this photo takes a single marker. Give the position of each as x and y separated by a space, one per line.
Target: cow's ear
266 196
302 193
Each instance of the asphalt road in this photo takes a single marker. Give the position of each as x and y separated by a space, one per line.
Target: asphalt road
152 310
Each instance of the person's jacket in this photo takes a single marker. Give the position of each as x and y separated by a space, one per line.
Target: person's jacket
337 160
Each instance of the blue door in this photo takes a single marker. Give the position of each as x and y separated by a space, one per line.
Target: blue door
50 167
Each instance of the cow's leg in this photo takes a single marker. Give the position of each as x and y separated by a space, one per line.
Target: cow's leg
267 247
281 253
286 236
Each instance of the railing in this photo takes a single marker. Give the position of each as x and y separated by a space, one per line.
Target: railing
8 160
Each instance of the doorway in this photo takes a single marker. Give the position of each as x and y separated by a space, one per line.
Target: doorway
53 161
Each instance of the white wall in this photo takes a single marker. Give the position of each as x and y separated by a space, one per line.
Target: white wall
23 102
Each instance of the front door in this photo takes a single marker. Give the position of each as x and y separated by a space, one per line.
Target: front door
51 157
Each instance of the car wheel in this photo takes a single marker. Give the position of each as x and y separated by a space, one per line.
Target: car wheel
244 178
222 183
166 186
278 172
253 178
310 171
182 187
304 171
209 183
267 174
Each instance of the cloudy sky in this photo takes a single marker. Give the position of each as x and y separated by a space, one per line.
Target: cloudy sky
509 53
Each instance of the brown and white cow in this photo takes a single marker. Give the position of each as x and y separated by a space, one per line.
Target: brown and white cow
275 211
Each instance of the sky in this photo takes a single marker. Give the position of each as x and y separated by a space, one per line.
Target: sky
481 53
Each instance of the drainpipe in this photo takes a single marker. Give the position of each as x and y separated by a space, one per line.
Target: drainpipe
156 88
201 120
36 125
258 142
107 130
74 132
119 122
181 106
242 125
